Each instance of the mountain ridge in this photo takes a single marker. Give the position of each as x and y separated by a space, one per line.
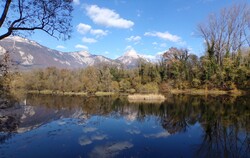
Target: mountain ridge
28 54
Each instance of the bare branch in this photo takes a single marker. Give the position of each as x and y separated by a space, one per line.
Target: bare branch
226 32
52 17
5 11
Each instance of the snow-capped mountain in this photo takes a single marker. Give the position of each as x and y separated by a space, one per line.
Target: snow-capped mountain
131 58
28 54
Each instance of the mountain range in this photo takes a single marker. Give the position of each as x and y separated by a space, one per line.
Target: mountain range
29 54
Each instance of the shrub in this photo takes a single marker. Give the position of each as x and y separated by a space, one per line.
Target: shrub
196 83
149 88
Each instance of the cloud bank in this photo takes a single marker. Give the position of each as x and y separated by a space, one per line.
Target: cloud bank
164 35
107 17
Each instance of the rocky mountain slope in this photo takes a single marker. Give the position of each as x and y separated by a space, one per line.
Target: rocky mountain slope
28 54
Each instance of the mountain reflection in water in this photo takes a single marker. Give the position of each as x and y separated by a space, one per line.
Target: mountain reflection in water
182 126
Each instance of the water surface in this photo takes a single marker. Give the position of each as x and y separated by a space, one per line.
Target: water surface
182 126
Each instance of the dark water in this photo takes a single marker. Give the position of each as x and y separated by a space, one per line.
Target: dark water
182 126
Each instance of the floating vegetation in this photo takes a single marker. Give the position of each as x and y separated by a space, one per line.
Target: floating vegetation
148 98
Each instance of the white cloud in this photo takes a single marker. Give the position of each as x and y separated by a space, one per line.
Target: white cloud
60 47
107 17
76 2
157 135
79 46
110 149
98 32
151 57
133 131
164 35
88 40
89 129
129 48
163 45
155 43
83 28
160 53
106 52
98 137
133 38
84 141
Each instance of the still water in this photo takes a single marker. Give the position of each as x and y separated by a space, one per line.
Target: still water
42 126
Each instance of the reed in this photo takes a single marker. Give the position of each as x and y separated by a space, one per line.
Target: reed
206 92
104 93
149 98
49 92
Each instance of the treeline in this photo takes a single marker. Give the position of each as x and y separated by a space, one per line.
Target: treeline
91 79
225 64
185 70
177 70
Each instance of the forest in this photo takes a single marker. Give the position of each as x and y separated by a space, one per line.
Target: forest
225 65
176 70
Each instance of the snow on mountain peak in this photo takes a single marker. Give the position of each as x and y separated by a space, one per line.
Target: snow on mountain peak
131 53
2 51
84 53
23 40
18 39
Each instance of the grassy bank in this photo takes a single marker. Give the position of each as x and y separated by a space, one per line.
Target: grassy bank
49 92
148 98
104 93
206 92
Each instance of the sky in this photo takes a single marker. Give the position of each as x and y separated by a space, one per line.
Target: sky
113 27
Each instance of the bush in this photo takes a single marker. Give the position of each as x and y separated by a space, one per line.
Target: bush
196 83
231 85
115 86
149 88
124 85
166 86
179 84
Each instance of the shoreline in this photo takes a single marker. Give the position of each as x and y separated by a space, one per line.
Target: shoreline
207 92
49 92
172 91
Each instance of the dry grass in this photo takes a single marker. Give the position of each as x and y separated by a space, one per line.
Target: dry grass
49 92
206 92
104 93
148 98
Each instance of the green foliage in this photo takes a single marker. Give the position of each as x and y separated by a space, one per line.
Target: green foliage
151 87
225 65
115 86
187 71
124 85
91 80
178 70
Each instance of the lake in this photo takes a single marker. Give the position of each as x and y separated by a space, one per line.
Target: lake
42 126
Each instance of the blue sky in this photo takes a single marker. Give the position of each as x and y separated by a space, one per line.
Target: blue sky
112 27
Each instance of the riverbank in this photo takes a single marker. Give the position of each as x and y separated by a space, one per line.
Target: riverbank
171 91
207 92
49 92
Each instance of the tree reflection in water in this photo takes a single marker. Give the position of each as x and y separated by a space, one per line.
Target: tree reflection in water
224 119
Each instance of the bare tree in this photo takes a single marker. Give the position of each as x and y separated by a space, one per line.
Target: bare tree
53 17
226 32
